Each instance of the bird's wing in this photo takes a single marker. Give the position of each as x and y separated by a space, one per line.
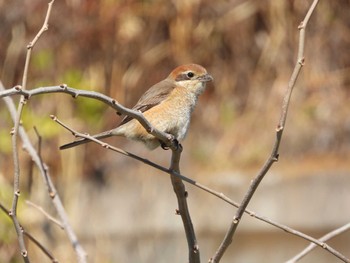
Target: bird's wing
152 97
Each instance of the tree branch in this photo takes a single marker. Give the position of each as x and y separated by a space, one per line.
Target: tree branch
325 238
219 195
31 238
17 90
274 154
183 211
27 145
14 132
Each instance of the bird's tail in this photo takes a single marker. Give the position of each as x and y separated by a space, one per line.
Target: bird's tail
83 140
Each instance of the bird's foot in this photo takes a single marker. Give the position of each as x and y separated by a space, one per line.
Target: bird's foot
174 142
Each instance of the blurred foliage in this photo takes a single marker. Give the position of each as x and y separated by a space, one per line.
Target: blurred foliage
121 48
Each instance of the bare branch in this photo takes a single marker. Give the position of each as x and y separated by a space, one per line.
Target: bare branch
325 238
17 90
46 214
183 211
219 195
112 103
14 133
274 155
31 238
80 253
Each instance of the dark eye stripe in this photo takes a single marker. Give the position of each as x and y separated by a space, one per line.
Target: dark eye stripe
183 76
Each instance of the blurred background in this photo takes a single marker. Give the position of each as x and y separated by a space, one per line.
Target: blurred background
123 211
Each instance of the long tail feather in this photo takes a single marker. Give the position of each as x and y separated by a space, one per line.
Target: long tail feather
83 141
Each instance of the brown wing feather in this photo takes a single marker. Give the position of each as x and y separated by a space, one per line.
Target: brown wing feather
152 97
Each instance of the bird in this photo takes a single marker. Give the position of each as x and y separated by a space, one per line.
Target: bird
167 105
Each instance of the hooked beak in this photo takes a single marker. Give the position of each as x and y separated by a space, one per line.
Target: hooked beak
206 78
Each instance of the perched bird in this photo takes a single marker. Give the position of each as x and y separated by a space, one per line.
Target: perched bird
167 105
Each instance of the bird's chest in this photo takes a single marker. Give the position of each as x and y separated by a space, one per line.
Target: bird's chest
179 115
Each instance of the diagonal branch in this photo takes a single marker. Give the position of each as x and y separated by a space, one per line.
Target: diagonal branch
116 106
81 254
325 238
219 195
27 94
31 238
274 154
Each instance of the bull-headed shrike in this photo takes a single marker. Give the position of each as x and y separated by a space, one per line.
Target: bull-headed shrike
167 105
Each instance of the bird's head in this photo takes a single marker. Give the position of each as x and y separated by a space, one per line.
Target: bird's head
191 76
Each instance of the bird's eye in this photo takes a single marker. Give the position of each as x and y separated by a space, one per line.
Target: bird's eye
190 74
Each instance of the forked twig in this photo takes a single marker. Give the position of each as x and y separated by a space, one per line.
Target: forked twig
112 103
219 195
46 214
80 253
31 238
325 238
274 154
183 211
14 132
63 88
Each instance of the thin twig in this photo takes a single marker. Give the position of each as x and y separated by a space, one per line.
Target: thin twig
14 133
27 145
46 214
165 137
202 187
113 104
43 166
31 238
274 154
325 238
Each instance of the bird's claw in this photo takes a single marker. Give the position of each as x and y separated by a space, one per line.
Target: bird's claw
174 142
164 146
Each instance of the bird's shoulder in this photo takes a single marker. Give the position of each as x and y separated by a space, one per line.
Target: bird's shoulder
152 97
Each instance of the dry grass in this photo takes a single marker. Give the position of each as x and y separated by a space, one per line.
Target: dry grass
122 47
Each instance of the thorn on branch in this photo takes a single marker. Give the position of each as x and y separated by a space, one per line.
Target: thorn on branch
18 88
302 62
186 194
53 117
177 212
